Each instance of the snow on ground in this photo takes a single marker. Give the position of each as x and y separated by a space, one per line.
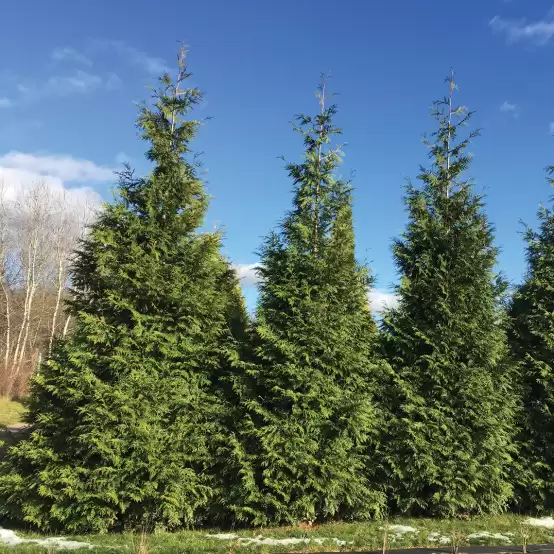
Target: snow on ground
482 535
547 522
260 540
223 536
437 537
477 536
401 529
9 538
273 542
398 531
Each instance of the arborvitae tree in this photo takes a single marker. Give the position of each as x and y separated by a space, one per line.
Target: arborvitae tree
532 341
451 407
309 415
127 414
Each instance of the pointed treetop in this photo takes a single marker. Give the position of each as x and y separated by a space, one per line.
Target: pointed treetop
314 181
173 189
449 157
163 123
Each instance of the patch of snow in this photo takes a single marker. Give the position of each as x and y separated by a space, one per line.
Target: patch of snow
487 535
260 540
274 542
398 531
10 538
437 537
62 544
401 529
223 536
547 522
340 542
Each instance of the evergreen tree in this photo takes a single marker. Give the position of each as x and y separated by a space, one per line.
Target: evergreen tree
309 414
532 341
128 414
451 407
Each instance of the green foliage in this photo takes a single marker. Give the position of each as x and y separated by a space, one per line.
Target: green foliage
309 416
129 412
448 443
532 341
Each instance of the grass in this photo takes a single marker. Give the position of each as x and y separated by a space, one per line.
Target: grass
11 412
357 536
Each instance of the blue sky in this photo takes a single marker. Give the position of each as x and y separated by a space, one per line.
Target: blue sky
70 73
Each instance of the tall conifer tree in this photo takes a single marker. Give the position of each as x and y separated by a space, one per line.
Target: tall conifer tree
451 405
532 341
309 408
127 415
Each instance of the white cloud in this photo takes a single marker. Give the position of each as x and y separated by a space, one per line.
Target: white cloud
14 183
507 107
380 301
133 56
22 175
540 32
70 54
247 274
64 168
5 102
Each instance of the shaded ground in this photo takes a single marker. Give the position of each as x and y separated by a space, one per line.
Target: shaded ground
508 530
10 412
11 427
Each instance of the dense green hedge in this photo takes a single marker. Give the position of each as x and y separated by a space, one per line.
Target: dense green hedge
168 406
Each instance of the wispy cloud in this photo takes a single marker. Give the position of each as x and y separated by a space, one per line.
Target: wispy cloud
70 54
79 82
539 32
61 167
113 82
507 107
151 64
123 158
5 102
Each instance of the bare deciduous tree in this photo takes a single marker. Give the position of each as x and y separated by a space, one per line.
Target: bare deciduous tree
39 229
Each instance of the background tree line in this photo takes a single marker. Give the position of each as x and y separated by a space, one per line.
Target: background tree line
39 230
167 406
